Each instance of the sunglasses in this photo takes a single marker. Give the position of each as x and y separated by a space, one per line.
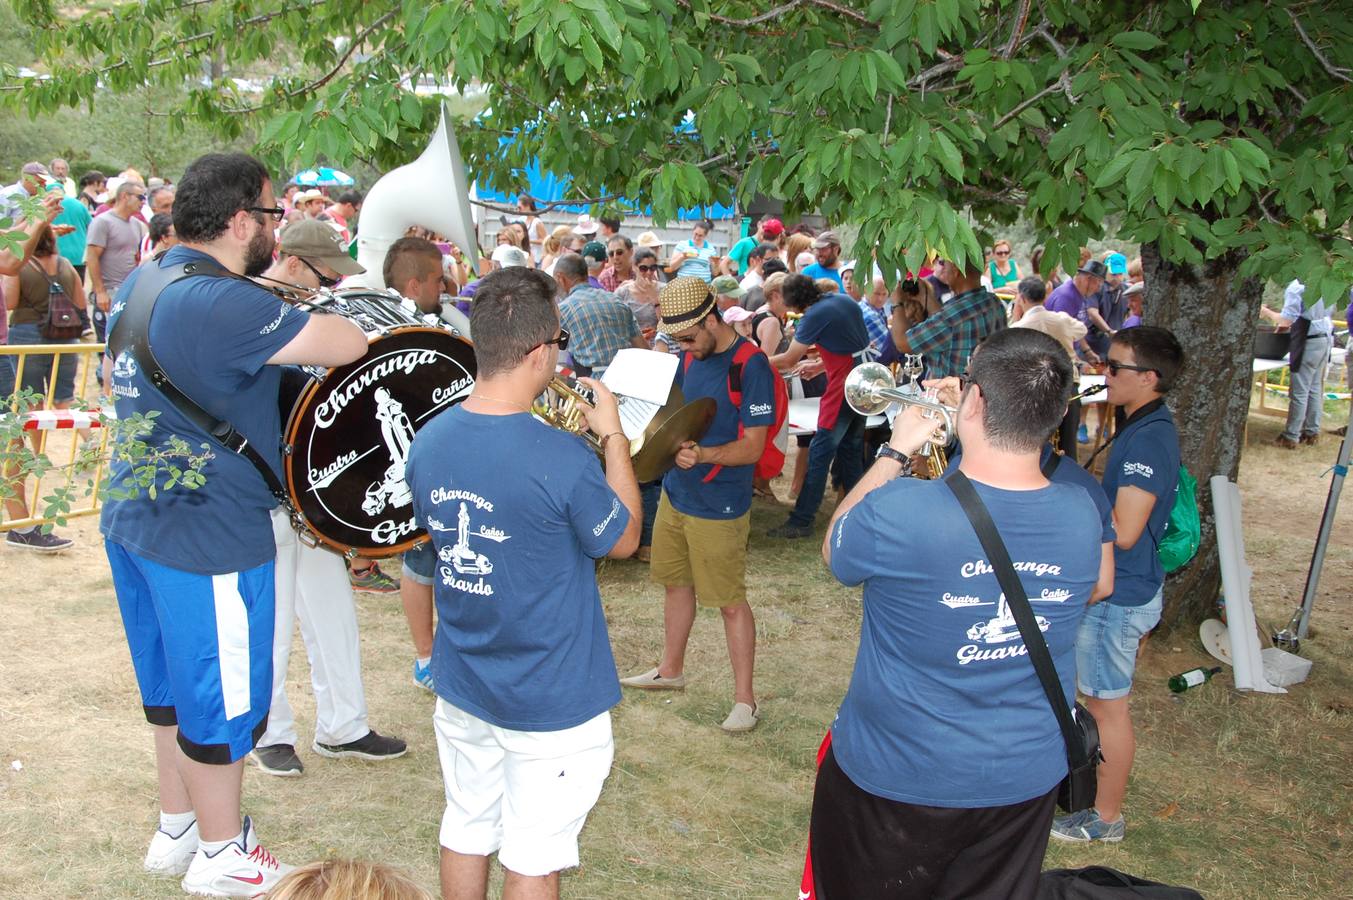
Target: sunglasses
620 252
562 341
1115 367
276 212
324 280
1002 252
647 268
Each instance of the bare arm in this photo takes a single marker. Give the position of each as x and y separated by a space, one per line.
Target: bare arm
1104 586
11 287
94 269
324 341
604 419
768 335
10 264
742 452
1098 321
783 362
898 326
1131 510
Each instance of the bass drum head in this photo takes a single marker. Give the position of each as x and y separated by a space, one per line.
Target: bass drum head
349 434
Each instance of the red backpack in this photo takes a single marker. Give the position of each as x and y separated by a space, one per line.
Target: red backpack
772 460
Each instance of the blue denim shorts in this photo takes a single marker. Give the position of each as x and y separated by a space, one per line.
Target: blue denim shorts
420 563
1106 647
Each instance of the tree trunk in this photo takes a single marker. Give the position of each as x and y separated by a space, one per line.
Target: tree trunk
1213 311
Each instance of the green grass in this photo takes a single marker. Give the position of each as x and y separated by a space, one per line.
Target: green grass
1238 795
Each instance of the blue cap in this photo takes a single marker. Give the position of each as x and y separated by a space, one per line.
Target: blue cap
1116 262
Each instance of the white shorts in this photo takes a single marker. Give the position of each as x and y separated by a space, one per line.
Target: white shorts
523 794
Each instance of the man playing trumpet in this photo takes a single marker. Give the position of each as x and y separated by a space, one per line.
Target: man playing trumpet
521 660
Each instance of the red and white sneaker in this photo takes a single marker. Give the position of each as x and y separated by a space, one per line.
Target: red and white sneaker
242 869
169 855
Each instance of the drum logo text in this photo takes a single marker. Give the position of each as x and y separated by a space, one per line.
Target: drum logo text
326 412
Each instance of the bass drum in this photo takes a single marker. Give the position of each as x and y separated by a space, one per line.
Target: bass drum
349 429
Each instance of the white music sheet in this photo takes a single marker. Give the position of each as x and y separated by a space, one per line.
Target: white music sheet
645 374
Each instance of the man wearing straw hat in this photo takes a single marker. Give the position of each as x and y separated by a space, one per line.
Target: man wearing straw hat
704 516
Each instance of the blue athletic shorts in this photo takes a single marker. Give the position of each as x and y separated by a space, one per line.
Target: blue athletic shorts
201 646
420 563
1106 646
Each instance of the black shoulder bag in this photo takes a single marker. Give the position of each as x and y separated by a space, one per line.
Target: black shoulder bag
132 334
1077 790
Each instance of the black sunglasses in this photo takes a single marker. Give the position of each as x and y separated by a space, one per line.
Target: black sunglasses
1115 367
562 341
276 212
647 268
324 280
619 252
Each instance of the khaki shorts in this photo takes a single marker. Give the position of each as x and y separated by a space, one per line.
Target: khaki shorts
708 554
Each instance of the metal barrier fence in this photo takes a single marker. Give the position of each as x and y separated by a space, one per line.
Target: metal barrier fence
57 433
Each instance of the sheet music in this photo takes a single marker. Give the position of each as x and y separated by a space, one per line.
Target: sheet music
635 414
644 374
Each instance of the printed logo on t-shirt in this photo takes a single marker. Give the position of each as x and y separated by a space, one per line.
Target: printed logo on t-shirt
277 322
610 517
998 637
461 561
1136 468
124 369
760 409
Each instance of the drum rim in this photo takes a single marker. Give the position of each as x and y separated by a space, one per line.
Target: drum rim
292 427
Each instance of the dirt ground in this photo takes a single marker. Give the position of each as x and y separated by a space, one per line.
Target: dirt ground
1238 795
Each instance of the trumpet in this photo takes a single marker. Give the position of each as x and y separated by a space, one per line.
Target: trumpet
561 406
870 389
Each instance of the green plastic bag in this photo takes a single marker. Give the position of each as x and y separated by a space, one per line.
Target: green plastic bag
1183 531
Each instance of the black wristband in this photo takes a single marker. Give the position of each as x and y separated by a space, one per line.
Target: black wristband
886 452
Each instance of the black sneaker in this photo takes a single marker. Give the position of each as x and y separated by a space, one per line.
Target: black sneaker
371 746
278 759
38 542
791 531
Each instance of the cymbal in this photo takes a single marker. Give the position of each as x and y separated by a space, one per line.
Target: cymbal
674 424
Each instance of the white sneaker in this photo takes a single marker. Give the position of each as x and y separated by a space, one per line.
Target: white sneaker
241 869
743 718
169 855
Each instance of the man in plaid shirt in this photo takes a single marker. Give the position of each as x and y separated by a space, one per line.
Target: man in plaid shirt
948 337
599 323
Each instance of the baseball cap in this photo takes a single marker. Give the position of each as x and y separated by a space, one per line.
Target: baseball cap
36 168
1116 263
683 302
316 241
1134 288
595 251
1093 267
586 225
826 239
509 257
772 228
737 314
728 286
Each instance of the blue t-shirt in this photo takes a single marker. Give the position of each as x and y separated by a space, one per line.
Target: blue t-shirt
729 493
75 214
213 337
817 270
834 323
521 638
740 251
697 259
1145 455
944 707
1069 472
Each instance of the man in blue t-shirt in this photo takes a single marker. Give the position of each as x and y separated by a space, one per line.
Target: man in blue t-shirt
831 322
1140 480
827 249
945 758
521 661
704 516
193 569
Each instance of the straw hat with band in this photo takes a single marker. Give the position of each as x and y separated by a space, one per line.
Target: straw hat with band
684 302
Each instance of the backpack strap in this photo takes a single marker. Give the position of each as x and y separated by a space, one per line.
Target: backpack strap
1051 465
745 351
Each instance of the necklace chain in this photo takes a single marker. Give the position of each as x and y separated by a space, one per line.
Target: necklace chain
512 403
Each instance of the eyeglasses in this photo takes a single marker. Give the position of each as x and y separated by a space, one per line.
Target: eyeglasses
619 252
276 212
562 341
324 280
1115 367
140 198
647 268
1002 252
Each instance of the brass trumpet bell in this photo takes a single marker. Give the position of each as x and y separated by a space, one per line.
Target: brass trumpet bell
869 390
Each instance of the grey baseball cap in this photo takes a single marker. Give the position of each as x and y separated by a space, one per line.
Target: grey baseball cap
317 241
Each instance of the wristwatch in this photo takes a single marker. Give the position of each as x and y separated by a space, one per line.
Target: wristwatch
886 452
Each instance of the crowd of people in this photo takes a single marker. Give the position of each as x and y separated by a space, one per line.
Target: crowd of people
211 582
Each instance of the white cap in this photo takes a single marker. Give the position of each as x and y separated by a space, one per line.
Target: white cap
508 256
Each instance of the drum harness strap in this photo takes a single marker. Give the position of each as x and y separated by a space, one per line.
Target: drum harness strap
132 334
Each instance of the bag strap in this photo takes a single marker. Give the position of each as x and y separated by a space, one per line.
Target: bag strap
1053 461
1018 602
1140 414
132 333
52 279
